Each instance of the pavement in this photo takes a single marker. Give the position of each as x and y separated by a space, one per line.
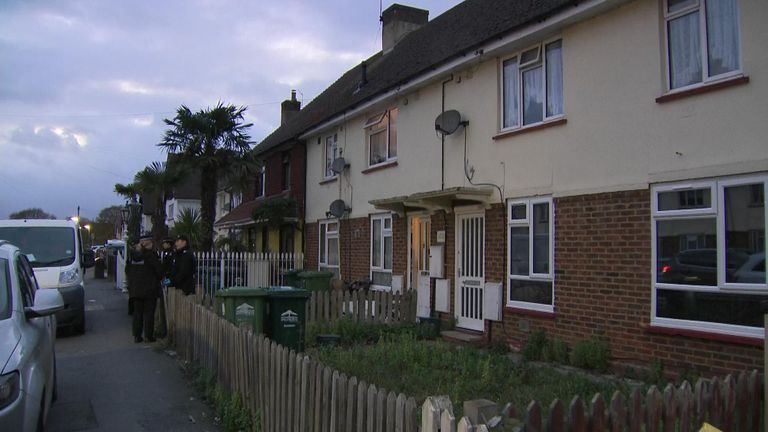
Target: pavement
106 382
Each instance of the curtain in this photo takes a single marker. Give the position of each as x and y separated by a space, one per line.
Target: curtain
554 79
684 50
722 36
510 93
533 96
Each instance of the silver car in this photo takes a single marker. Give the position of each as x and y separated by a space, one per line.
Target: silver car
27 337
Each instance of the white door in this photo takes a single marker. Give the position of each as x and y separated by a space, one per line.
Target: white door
470 270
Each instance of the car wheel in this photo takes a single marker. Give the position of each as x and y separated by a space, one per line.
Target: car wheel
80 326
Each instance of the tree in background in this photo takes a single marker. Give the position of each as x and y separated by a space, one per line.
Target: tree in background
211 140
131 193
110 215
188 223
156 182
31 213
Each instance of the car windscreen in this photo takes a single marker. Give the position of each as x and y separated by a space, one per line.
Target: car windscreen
5 290
44 246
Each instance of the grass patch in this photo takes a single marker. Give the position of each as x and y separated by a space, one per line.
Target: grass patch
357 333
404 363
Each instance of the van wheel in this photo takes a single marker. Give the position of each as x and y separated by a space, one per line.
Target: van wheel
80 326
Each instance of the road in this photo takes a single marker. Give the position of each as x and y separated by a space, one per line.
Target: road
106 382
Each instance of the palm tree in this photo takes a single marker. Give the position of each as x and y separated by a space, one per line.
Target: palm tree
156 182
211 140
128 191
188 223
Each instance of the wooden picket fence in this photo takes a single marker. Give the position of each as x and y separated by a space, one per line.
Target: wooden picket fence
289 390
728 404
362 306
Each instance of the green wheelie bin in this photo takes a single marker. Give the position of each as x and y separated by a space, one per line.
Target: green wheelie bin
286 316
316 280
291 278
243 306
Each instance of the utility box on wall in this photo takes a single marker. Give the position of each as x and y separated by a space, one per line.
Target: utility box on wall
436 262
492 301
442 295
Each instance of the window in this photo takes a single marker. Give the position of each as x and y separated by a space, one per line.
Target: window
381 251
5 290
532 86
27 281
331 153
329 246
171 209
531 256
236 199
286 179
702 40
381 133
260 182
286 239
709 255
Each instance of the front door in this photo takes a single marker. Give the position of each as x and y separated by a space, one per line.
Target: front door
418 271
470 270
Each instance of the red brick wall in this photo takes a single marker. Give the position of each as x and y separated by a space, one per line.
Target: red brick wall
442 221
311 245
355 248
603 287
400 247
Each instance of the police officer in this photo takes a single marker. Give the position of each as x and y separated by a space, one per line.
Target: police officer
183 270
144 273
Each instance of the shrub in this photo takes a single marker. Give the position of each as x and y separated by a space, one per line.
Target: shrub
556 351
534 348
591 353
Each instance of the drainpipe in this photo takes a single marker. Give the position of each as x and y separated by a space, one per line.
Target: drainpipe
442 138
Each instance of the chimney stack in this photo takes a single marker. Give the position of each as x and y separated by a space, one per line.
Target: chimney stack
399 20
289 108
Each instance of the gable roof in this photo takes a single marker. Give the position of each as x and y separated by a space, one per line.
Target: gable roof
454 33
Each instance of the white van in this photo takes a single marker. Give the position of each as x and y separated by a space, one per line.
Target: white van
55 250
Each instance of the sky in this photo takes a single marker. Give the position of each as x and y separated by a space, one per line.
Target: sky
85 84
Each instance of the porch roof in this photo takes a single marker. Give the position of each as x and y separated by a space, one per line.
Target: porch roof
239 216
445 199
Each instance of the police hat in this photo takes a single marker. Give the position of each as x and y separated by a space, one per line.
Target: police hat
146 236
167 240
182 237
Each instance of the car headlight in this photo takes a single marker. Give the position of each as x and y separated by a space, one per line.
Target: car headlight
68 276
9 388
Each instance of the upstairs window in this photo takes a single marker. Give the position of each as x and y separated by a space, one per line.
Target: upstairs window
286 179
260 181
702 40
381 134
532 86
331 153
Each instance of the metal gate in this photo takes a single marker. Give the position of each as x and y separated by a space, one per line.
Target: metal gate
470 270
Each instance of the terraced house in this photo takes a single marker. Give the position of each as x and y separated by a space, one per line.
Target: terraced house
585 168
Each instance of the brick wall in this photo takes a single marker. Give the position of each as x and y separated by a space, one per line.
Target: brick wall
311 245
442 221
603 287
355 248
400 247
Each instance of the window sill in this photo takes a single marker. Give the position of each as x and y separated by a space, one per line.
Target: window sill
531 128
719 337
529 312
703 88
379 167
328 180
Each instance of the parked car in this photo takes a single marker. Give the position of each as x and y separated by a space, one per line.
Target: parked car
55 249
697 266
753 271
27 338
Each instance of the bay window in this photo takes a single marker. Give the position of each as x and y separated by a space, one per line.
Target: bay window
531 254
702 40
532 86
709 255
381 251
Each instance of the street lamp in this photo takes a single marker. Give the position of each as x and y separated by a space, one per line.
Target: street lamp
75 219
90 237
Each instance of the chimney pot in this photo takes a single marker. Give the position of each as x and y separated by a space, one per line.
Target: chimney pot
289 108
399 20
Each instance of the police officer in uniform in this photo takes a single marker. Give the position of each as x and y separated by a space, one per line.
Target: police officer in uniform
183 270
144 272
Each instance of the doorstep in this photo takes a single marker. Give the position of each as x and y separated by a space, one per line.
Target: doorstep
460 337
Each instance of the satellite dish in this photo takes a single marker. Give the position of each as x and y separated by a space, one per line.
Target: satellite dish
448 122
338 208
338 165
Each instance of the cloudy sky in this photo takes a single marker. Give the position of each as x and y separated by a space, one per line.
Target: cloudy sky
85 84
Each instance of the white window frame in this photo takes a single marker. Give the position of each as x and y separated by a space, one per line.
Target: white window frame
716 211
523 67
385 232
538 277
328 235
263 174
327 173
368 127
701 6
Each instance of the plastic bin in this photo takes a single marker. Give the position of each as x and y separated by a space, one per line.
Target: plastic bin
316 280
291 278
286 316
243 306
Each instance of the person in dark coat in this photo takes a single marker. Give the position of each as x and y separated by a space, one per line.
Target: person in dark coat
166 263
183 271
144 272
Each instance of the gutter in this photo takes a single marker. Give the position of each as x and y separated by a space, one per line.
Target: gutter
578 12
